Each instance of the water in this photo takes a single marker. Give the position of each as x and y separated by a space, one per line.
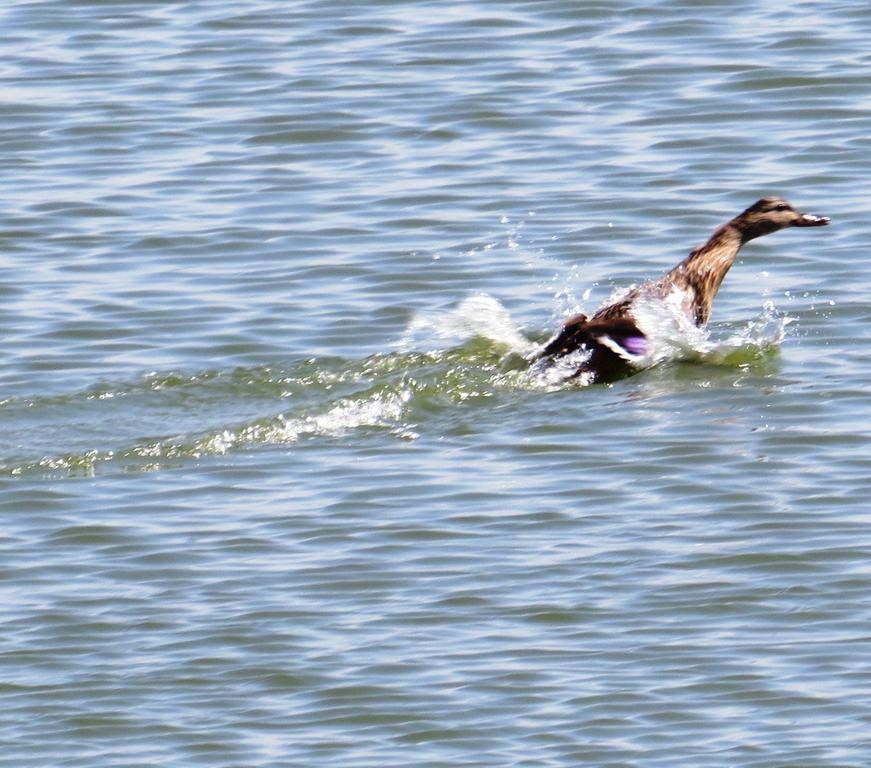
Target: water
276 485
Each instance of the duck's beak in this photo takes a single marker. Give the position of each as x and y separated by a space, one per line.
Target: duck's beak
809 220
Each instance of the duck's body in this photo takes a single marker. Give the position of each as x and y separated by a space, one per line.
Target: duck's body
612 342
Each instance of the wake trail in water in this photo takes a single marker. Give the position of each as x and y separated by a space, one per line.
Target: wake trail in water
476 351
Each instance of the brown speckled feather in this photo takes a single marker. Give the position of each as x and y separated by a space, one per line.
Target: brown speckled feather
612 336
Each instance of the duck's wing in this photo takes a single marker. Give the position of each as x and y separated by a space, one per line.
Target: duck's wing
569 338
620 335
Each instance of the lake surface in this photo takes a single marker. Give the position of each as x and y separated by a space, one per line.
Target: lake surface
276 486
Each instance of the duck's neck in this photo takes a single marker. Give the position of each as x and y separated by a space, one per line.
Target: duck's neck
705 268
716 255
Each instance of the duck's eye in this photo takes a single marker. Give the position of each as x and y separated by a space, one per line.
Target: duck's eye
781 207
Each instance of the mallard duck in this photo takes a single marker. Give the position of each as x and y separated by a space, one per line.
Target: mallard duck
613 341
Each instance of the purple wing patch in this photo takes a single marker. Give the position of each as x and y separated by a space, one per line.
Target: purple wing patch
634 345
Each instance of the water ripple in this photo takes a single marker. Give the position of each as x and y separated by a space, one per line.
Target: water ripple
277 487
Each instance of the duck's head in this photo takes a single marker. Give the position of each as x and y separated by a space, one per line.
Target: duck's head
770 214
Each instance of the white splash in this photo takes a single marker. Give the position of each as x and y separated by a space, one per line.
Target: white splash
379 410
477 315
673 336
555 375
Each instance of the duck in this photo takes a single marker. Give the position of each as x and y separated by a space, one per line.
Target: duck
612 343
